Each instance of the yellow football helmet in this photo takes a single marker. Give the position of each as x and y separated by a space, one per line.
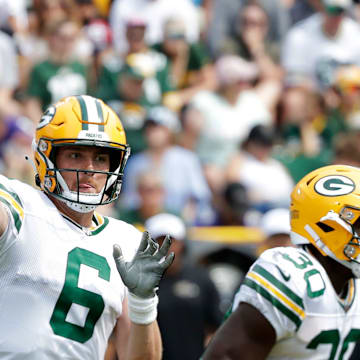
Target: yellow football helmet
86 121
325 211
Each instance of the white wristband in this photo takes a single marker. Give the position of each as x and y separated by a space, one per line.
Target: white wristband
142 311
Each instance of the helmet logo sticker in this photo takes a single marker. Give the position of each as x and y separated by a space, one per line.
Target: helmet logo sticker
47 117
334 185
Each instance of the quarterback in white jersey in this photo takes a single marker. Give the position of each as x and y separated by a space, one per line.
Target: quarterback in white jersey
61 293
303 302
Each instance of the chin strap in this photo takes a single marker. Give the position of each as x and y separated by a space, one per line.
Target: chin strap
82 208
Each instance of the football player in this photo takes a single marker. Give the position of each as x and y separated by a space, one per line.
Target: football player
303 302
61 294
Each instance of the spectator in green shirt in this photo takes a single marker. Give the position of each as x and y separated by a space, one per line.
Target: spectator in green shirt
131 90
59 75
191 68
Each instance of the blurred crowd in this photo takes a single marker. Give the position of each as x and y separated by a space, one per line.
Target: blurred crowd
225 103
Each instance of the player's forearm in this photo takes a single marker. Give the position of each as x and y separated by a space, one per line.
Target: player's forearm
144 342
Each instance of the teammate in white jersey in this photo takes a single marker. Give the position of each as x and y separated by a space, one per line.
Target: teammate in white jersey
303 302
61 296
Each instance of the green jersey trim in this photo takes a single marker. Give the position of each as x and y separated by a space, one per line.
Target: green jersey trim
14 204
279 285
349 300
294 317
99 220
101 227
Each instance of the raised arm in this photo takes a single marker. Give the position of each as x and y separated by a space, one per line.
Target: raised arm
142 277
245 335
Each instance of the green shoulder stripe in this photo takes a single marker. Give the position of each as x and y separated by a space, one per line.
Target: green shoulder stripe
279 285
14 195
274 301
16 216
14 204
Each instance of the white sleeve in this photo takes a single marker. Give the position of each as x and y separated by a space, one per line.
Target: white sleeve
273 291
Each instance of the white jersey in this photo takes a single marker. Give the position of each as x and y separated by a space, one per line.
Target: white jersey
61 293
292 290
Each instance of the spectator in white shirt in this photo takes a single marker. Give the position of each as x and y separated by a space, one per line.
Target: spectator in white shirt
314 47
155 13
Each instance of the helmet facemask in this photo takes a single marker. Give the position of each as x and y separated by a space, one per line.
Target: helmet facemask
55 184
351 250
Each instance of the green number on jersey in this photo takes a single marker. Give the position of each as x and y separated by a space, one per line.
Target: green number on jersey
308 276
72 294
326 337
333 337
301 262
353 336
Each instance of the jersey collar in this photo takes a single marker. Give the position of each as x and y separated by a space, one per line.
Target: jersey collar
99 224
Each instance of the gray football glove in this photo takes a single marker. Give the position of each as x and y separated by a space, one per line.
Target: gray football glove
143 274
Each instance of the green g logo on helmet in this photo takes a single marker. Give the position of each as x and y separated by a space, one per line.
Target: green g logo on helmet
334 185
47 116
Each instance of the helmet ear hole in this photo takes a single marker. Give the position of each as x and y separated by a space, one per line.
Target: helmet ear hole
324 227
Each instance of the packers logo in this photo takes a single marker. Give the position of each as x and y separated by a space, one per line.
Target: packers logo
47 117
334 185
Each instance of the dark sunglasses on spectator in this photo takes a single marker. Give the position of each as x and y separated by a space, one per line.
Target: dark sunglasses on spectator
334 10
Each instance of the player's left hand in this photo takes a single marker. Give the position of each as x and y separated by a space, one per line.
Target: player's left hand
142 275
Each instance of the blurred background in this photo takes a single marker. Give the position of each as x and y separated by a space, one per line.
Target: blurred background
226 105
